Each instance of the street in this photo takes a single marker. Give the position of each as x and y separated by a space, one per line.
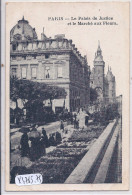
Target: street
50 128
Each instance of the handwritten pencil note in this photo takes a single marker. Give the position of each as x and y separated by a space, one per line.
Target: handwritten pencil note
28 179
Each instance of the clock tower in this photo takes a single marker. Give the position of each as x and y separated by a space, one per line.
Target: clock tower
99 65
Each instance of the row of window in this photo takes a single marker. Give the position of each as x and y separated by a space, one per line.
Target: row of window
79 74
34 56
34 72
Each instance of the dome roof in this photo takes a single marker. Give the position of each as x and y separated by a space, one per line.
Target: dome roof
23 31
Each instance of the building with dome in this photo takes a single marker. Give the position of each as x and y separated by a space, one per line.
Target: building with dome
22 31
105 85
55 61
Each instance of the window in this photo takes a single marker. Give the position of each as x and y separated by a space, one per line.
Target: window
29 38
60 72
13 58
46 56
47 72
24 73
34 73
18 37
14 72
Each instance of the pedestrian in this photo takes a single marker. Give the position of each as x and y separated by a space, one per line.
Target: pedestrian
43 131
52 140
45 138
34 137
81 118
24 145
58 138
35 150
86 120
71 118
62 126
42 147
77 124
75 121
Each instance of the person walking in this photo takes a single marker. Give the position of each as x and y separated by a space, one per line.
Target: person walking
52 140
24 145
86 119
43 131
75 121
44 142
81 118
45 138
35 151
34 137
58 138
62 126
42 147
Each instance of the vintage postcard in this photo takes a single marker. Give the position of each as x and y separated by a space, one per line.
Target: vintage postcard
67 96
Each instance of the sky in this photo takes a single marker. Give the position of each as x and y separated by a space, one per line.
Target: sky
114 39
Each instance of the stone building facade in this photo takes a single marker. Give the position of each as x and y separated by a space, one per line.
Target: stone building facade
105 85
55 61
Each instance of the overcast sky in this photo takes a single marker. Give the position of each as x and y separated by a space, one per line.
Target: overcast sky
113 38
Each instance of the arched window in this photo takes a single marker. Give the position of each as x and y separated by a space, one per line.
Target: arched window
18 37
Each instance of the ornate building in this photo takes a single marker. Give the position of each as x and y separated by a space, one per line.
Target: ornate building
55 61
104 85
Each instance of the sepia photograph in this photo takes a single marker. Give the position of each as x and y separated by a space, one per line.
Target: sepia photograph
67 70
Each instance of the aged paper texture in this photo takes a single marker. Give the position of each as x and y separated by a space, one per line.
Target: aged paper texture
67 96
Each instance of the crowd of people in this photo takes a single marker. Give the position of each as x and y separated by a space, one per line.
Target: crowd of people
33 143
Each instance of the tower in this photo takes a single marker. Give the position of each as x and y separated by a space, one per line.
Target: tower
112 86
99 65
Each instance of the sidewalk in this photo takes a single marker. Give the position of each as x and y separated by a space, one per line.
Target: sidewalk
47 127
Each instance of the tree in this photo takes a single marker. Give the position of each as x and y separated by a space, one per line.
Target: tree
28 90
33 94
93 95
14 95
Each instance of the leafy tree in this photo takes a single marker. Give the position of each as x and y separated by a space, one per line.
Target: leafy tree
33 94
107 113
14 95
28 90
20 89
